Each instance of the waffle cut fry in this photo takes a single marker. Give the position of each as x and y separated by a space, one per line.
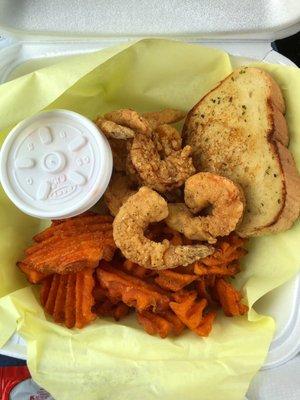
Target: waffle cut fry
32 275
70 246
132 291
174 281
108 306
137 270
230 299
191 313
229 249
68 298
163 324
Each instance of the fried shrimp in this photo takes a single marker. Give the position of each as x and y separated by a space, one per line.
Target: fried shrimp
113 130
168 139
119 152
202 190
130 119
118 191
158 164
167 116
140 210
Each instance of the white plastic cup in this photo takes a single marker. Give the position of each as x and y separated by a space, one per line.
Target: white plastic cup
56 164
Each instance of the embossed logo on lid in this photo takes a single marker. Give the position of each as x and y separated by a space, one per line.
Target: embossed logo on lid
55 164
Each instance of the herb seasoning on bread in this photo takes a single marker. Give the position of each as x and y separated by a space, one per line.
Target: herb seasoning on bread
238 130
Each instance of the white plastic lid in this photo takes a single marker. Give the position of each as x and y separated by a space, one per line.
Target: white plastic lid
55 164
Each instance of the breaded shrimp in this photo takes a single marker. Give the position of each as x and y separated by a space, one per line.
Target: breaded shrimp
130 119
167 116
113 130
157 165
118 191
140 210
202 190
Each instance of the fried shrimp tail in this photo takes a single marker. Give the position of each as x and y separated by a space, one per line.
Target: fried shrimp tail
140 210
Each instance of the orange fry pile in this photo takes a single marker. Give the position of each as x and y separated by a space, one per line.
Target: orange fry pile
168 301
82 277
63 259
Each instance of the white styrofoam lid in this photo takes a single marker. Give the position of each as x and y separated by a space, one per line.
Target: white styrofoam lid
55 164
219 18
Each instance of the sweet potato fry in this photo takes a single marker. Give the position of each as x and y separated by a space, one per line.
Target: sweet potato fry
177 325
137 270
100 293
154 324
45 289
84 299
218 258
71 254
74 242
79 319
131 290
229 249
201 269
64 263
108 309
70 306
205 327
120 311
32 275
68 298
190 312
71 245
87 220
88 232
183 295
50 303
204 292
188 269
230 299
174 281
104 308
59 307
162 324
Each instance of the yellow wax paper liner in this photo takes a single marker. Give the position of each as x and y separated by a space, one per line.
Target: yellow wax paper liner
109 360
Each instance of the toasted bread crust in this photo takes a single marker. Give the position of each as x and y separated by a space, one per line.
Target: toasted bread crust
280 130
291 196
286 205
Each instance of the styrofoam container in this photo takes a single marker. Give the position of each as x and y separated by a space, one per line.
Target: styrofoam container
39 36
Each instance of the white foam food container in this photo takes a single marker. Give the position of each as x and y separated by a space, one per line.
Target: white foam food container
38 35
